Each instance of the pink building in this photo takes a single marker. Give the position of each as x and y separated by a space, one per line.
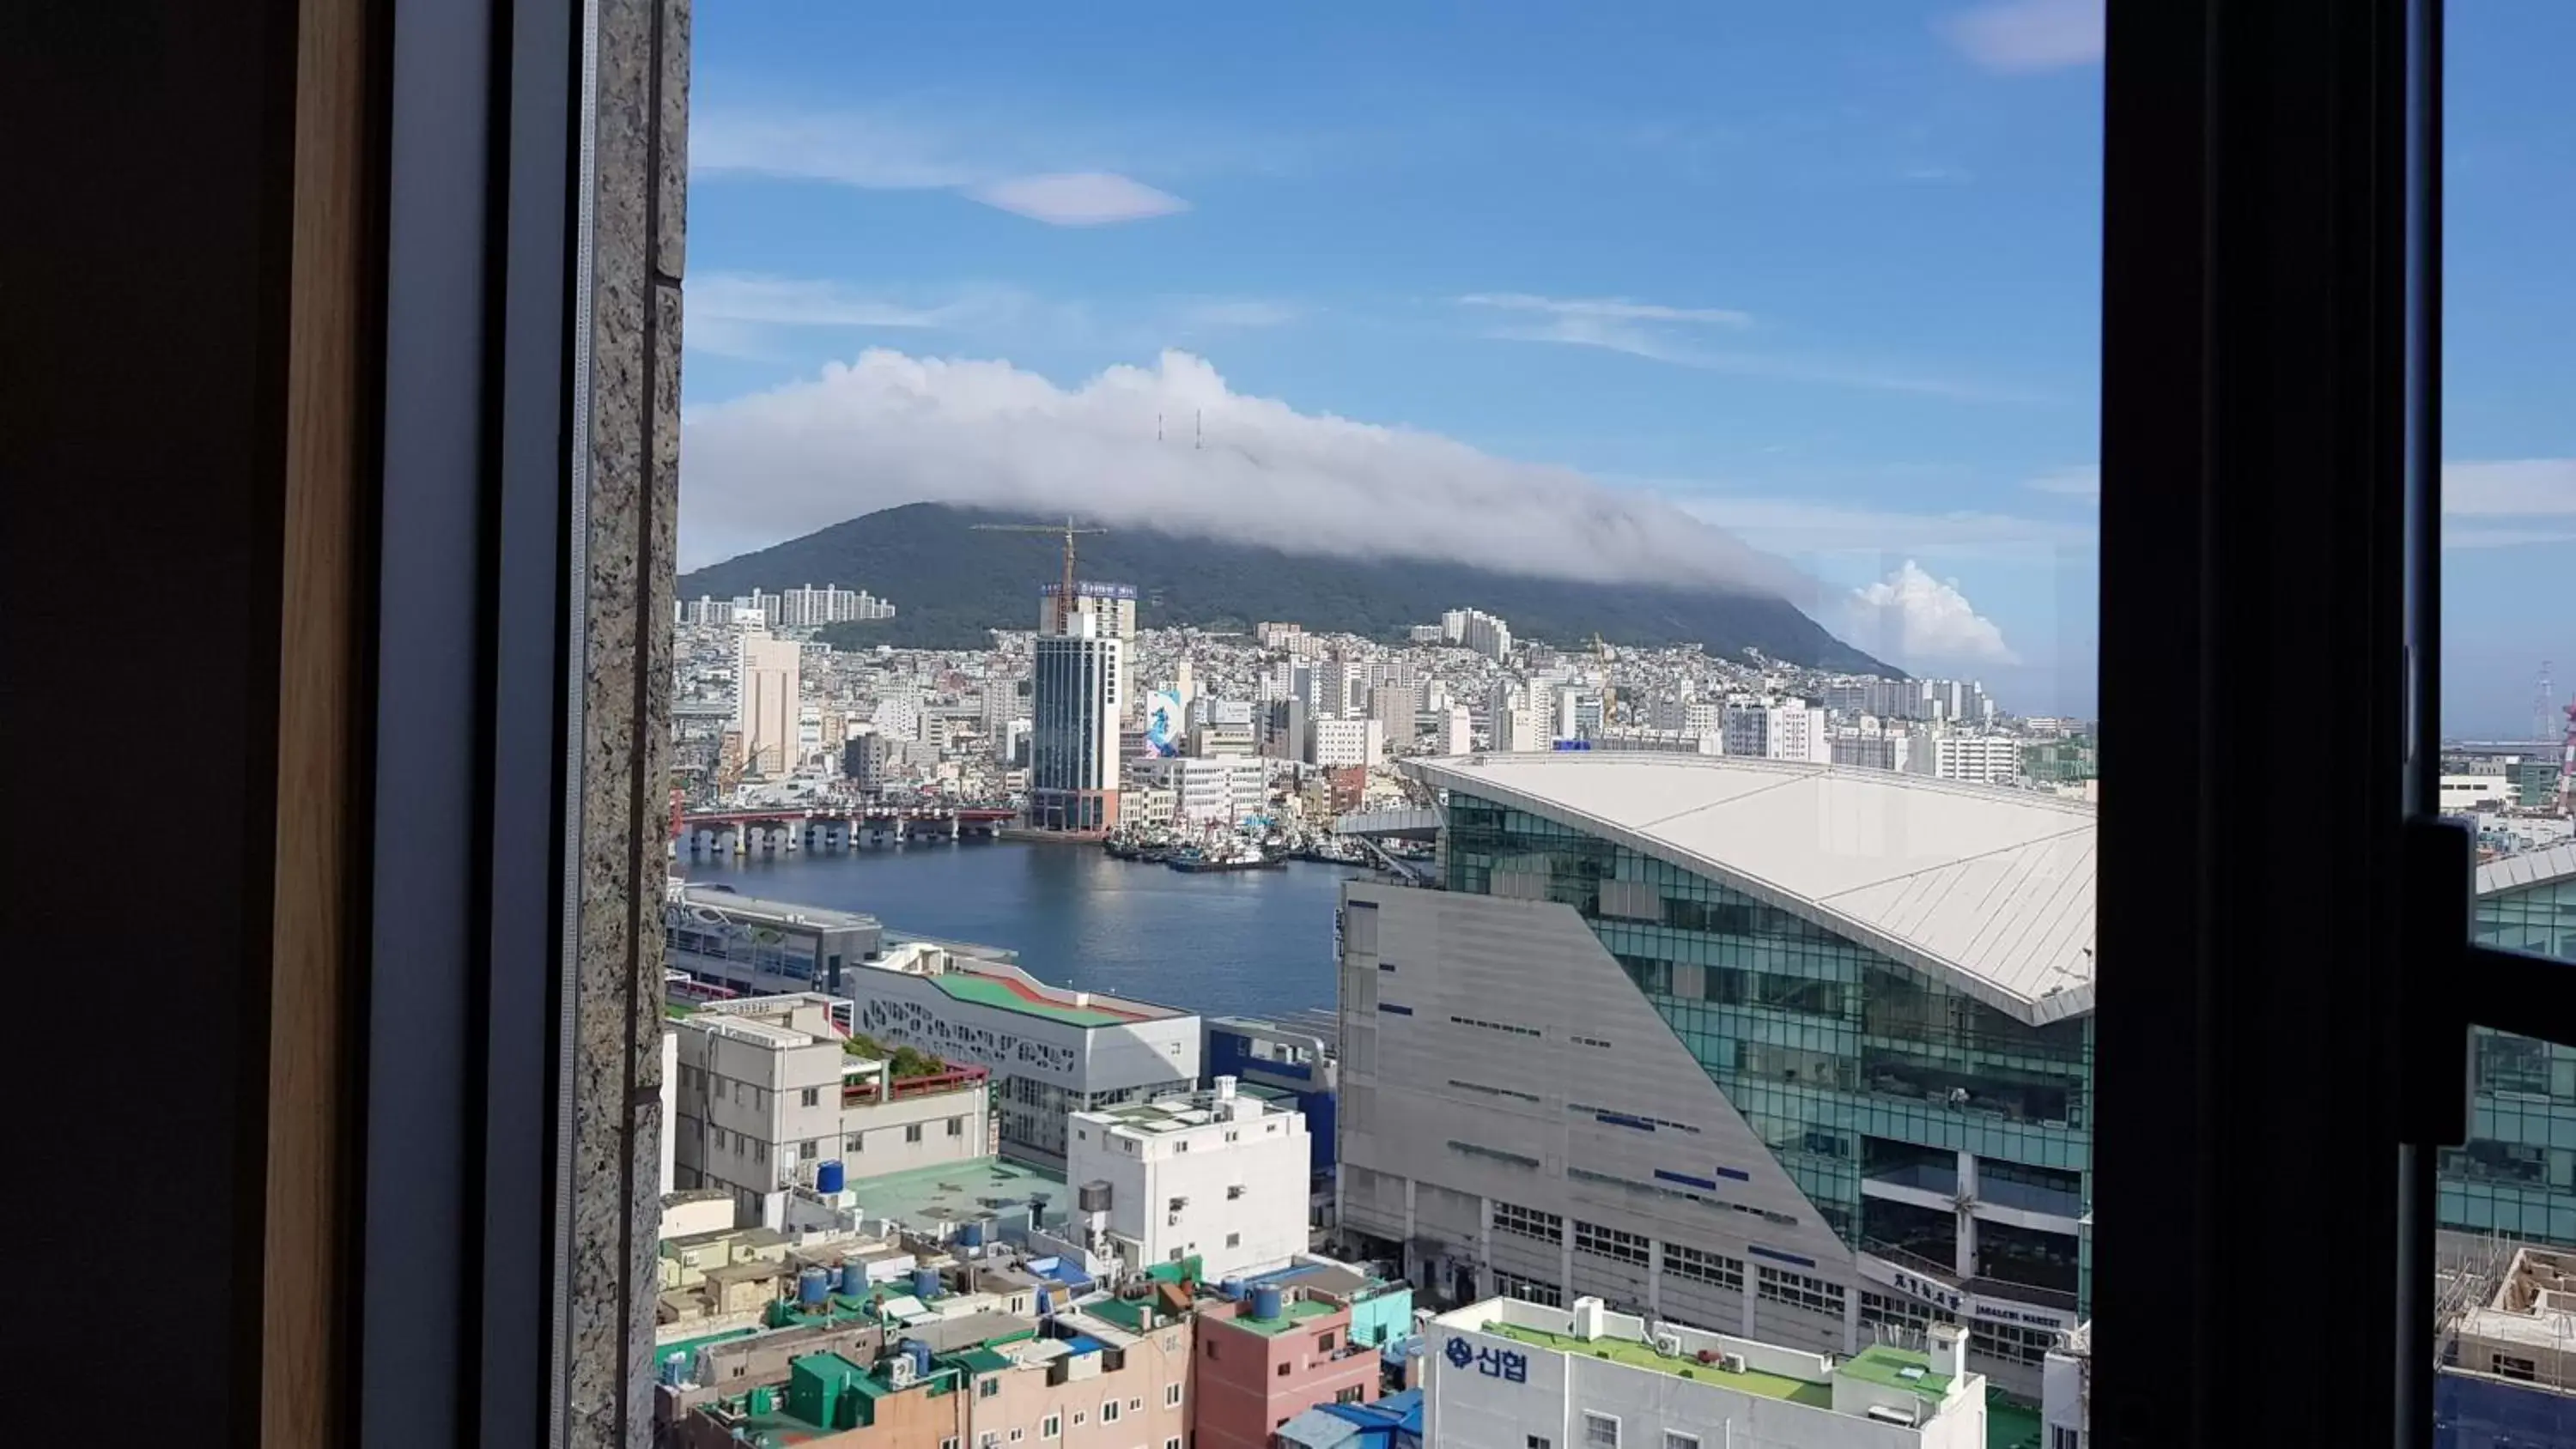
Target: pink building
1255 1373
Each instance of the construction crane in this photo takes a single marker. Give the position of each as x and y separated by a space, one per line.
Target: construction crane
1064 595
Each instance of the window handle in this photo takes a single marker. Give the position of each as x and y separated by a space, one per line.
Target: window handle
2449 983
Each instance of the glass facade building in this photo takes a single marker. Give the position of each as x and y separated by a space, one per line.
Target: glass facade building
2517 1174
1877 1087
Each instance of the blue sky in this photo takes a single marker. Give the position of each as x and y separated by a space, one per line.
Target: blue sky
1826 277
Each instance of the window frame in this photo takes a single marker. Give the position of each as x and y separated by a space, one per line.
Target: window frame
2270 427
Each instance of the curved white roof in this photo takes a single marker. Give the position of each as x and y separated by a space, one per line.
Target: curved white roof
1989 889
2531 868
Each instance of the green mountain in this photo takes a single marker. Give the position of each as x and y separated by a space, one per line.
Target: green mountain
951 584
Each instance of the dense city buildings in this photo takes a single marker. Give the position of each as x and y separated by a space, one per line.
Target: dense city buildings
1795 1051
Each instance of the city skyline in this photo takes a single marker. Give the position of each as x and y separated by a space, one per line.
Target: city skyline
1744 268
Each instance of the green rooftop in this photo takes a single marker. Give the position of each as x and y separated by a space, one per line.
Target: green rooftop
1640 1355
955 1191
991 991
1897 1368
1290 1315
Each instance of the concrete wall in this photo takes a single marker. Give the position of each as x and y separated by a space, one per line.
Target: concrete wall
1148 1414
1243 1397
1433 1112
1244 1200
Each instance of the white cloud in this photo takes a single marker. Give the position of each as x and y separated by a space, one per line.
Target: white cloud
1238 312
891 428
1911 617
2081 481
1663 333
1078 198
1609 308
849 150
2019 36
877 154
792 302
2521 487
1806 528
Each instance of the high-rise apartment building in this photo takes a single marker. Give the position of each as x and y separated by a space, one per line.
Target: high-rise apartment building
1978 759
1394 707
1481 632
1078 695
766 675
810 607
1769 730
1334 743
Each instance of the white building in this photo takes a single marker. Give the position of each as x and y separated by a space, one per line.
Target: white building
1213 790
1051 1051
765 706
2066 1390
766 1093
1332 743
1976 759
1577 714
1518 728
1078 694
1216 1174
1457 731
809 607
1509 1372
1779 731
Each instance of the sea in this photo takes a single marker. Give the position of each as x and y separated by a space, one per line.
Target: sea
1240 943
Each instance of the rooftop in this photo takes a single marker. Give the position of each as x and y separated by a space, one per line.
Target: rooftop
1196 1109
956 1192
1990 889
713 903
1291 1314
1010 995
2530 868
1639 1355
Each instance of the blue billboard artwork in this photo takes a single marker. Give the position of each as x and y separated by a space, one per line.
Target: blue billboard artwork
1163 724
1506 1364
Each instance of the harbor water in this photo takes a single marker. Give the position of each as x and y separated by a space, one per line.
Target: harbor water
1238 943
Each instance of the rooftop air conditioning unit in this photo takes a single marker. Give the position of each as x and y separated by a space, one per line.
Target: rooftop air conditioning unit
1733 1363
1668 1344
